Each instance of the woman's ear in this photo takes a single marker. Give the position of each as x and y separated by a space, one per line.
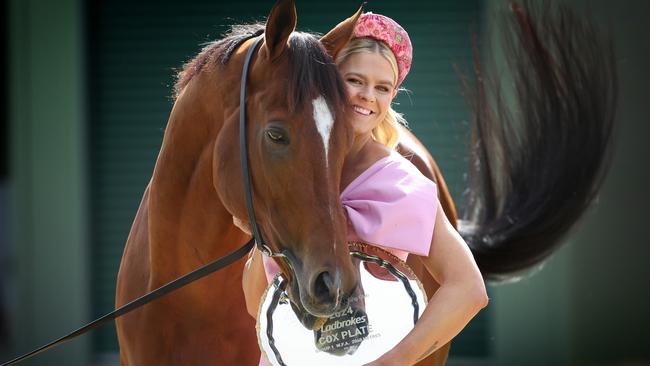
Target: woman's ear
339 36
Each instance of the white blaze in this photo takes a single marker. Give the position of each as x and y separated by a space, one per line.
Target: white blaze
324 121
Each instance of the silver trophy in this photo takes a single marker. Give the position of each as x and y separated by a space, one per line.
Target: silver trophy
388 304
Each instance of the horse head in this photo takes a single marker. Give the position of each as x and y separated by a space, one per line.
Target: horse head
297 136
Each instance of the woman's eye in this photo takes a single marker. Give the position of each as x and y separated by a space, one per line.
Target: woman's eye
354 81
383 89
276 137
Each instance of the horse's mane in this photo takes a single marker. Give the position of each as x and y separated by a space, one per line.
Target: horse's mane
312 70
216 52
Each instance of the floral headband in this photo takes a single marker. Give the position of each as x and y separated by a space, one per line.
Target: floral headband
385 29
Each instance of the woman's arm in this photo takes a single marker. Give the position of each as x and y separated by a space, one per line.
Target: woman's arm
254 282
460 297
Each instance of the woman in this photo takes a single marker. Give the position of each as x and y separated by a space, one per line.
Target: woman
388 202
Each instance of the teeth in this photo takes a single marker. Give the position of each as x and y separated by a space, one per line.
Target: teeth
362 110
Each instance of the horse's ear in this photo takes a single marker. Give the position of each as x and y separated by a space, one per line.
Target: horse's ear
279 25
339 36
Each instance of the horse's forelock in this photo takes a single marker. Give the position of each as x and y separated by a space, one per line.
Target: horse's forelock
312 73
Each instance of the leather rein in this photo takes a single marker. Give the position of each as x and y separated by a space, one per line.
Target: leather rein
206 269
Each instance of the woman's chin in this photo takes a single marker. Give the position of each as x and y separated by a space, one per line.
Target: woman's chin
363 124
362 130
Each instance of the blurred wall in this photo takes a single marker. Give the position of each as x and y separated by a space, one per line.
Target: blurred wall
609 278
47 178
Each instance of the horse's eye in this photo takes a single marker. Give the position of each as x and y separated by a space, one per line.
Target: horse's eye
277 137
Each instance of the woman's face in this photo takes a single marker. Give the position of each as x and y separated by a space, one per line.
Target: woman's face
370 82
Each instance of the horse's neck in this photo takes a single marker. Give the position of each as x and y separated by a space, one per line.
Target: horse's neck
188 226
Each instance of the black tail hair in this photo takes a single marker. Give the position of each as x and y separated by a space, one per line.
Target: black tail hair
537 164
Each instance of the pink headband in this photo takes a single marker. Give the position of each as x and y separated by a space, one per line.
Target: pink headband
385 29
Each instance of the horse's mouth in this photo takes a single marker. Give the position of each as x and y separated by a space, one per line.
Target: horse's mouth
307 319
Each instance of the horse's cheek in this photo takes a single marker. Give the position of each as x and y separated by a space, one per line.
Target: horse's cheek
226 173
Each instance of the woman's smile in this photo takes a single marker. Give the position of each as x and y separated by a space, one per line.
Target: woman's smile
362 111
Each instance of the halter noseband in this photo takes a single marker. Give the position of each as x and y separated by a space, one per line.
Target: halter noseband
243 152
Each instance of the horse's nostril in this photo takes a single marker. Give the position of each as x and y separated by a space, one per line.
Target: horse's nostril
324 287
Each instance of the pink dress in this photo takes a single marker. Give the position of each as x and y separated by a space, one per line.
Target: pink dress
390 205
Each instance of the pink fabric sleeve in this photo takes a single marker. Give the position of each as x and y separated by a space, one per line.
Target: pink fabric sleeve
392 205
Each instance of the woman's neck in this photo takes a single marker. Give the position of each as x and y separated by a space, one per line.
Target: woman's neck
359 146
364 152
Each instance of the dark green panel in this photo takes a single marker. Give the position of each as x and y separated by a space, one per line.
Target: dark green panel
135 46
4 86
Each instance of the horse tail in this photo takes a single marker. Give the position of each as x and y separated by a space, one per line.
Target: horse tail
538 159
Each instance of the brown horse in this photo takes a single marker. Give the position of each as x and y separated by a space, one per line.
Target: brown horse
298 137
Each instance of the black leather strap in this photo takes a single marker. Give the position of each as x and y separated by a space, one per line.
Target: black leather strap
243 152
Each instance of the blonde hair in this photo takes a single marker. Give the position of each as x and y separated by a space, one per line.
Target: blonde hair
386 132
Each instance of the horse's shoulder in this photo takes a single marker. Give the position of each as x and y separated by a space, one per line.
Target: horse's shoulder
411 149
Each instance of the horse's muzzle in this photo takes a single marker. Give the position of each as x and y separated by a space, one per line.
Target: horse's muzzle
323 293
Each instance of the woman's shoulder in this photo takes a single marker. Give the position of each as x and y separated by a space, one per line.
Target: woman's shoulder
393 205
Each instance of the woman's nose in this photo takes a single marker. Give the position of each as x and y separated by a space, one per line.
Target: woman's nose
366 94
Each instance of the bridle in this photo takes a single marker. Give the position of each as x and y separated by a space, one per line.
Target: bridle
243 154
206 269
